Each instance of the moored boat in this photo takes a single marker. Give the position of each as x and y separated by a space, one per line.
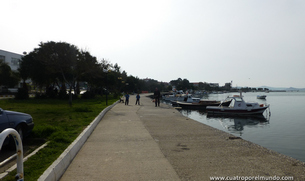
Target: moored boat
174 97
261 96
188 98
201 104
238 107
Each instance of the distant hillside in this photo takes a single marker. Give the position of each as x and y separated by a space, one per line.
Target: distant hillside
283 88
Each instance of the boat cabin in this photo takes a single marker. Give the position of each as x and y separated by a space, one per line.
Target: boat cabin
238 106
190 99
238 102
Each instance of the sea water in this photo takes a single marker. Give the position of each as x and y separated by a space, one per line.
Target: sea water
282 131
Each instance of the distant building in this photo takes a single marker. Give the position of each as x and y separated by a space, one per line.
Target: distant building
12 59
147 79
195 84
214 84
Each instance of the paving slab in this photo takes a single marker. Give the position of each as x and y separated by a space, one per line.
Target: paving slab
158 143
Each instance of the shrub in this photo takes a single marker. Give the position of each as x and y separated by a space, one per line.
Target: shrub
22 94
88 95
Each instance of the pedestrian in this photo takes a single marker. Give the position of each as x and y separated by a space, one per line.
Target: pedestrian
126 98
157 97
122 99
138 99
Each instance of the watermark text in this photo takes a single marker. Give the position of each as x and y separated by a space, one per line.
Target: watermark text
252 178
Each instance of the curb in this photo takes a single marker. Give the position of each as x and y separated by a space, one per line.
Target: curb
7 96
13 96
59 166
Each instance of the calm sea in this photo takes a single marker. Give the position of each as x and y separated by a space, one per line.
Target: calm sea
283 131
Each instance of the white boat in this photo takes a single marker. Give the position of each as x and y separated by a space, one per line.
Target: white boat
261 96
188 99
238 107
174 97
180 97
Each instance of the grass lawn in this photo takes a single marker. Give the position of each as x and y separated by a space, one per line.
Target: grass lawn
57 122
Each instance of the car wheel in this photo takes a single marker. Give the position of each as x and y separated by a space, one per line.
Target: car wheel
11 144
20 132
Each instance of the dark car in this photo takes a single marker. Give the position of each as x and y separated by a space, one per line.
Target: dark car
21 122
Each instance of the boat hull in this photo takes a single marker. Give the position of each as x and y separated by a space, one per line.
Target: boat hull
201 104
231 111
261 97
185 105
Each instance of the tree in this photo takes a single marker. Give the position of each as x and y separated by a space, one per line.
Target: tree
32 67
117 68
176 83
181 84
24 69
228 86
88 69
7 76
151 85
185 84
61 62
57 64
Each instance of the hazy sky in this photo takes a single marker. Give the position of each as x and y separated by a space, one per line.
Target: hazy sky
250 42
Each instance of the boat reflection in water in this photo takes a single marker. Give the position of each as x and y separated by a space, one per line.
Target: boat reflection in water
235 124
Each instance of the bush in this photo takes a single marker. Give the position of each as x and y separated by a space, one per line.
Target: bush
22 94
40 95
117 95
88 95
63 94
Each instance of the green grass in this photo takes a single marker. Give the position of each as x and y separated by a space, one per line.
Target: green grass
57 122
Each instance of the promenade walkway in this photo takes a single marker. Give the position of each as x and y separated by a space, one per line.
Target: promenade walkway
157 143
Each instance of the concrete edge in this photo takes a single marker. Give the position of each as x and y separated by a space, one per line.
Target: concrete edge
59 166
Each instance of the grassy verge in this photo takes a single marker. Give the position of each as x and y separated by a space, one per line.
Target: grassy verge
57 122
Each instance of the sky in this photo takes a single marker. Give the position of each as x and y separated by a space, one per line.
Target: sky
249 42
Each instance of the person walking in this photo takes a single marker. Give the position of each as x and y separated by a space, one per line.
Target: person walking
126 99
138 99
157 97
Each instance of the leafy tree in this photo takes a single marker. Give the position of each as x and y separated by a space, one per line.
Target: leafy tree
117 68
205 86
7 76
59 64
32 67
87 69
151 85
24 70
181 84
133 84
185 84
60 59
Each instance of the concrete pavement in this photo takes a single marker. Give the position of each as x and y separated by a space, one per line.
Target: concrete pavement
157 143
121 148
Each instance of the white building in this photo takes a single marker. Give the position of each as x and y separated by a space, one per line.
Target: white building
12 59
214 85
